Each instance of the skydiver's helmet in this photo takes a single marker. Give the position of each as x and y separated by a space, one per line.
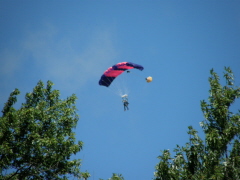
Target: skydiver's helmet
125 97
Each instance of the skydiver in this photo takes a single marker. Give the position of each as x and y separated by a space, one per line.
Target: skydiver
125 104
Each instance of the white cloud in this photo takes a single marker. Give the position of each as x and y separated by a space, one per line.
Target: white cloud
47 55
56 60
61 62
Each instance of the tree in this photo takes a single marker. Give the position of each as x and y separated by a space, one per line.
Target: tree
85 175
218 156
115 177
37 141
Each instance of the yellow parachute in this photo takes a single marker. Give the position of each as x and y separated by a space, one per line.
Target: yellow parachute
149 79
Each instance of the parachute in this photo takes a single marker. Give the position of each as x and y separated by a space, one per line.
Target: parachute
113 72
149 79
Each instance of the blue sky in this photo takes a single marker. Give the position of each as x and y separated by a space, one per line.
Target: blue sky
73 42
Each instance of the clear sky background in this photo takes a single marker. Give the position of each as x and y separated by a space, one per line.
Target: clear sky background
73 42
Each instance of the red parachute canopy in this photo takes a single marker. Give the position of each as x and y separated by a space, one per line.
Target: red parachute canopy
111 73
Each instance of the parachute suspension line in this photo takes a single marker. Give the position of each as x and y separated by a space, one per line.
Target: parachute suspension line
113 87
124 83
134 73
121 84
117 86
112 90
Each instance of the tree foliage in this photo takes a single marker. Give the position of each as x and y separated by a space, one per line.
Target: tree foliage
218 156
37 141
85 175
115 177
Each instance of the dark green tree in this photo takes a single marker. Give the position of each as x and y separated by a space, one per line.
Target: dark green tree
37 141
218 156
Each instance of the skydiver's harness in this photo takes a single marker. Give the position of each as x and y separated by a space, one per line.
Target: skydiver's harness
125 103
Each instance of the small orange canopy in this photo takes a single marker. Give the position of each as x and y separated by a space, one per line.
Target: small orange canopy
149 79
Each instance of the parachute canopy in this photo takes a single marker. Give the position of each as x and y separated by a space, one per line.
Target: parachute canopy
111 73
149 79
